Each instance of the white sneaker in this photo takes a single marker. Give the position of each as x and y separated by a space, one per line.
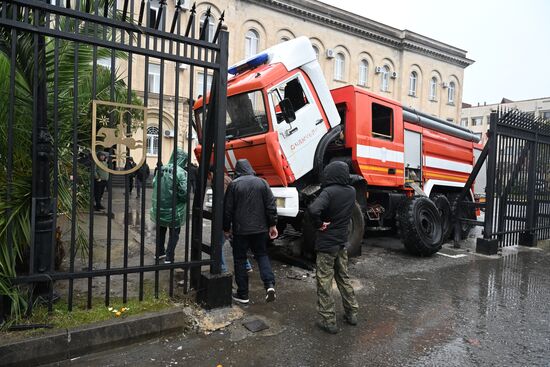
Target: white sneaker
270 295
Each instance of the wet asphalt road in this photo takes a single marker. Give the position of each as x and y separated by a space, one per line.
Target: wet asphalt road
439 311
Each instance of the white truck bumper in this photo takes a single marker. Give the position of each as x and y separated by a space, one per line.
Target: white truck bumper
286 199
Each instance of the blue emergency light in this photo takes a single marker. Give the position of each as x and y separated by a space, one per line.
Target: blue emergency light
249 64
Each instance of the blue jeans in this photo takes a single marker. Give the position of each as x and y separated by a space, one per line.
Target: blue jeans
173 237
258 244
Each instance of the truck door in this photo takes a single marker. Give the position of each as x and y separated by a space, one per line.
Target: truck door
298 139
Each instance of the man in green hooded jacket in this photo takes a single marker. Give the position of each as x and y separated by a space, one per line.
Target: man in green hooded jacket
168 217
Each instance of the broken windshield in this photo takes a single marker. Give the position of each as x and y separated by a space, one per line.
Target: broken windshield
246 115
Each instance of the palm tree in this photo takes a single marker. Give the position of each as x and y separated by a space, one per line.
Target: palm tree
18 224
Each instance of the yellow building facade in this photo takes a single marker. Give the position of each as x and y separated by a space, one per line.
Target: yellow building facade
399 64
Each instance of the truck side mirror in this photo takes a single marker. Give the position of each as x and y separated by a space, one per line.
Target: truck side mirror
287 110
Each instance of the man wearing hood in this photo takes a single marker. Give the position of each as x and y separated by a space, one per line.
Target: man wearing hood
331 214
168 217
250 213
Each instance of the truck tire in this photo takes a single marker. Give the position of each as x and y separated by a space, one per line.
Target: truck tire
355 237
468 213
419 226
444 207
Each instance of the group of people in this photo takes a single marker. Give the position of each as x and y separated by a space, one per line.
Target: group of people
250 222
101 178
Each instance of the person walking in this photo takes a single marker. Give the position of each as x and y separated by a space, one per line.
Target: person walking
250 215
226 181
142 175
101 177
330 214
163 204
128 166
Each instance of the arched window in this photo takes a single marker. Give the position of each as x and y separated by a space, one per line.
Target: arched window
413 78
316 52
385 78
210 29
451 93
363 72
252 43
433 89
339 66
152 140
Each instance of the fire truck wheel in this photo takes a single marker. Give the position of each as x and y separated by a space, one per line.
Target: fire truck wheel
420 226
444 207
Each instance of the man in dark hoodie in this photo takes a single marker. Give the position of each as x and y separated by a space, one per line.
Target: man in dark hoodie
331 214
250 213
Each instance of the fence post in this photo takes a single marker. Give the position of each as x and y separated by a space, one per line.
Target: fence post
41 216
215 288
487 245
527 238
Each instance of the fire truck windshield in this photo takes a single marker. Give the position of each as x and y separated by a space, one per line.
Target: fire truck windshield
246 115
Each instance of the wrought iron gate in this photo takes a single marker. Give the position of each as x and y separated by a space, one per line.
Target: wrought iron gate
518 180
86 78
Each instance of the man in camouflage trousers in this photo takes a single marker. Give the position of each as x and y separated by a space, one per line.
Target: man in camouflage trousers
330 214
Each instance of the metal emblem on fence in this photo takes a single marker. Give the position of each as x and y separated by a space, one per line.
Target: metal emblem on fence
121 129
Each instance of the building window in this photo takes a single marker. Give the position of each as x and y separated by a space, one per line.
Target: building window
200 83
450 120
433 89
154 78
252 43
488 119
385 78
209 36
413 78
152 140
316 52
339 66
464 122
451 93
284 39
477 121
545 115
363 72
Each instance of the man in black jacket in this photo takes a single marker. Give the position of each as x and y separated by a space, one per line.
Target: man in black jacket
250 213
331 213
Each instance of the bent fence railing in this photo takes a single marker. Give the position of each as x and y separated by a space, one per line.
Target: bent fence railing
517 192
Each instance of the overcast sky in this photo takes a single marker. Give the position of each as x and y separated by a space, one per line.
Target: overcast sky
508 39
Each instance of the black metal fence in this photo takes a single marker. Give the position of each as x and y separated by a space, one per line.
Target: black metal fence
86 78
518 179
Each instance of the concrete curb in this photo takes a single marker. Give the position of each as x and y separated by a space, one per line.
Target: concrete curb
71 343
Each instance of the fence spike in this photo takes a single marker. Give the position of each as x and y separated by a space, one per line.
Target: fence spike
125 10
160 13
218 29
191 20
141 8
176 16
204 29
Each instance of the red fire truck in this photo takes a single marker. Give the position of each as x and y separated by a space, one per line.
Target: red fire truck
407 167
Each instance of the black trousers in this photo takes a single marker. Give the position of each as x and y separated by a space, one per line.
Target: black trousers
258 244
99 189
